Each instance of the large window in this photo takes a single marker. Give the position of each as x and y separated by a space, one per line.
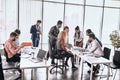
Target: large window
75 1
55 0
87 14
52 13
73 18
111 22
93 16
8 18
112 3
95 2
30 12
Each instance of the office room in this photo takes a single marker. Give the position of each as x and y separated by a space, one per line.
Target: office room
59 39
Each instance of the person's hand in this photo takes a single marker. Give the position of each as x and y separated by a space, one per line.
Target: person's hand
91 54
21 46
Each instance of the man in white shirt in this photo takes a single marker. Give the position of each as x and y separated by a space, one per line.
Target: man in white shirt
95 50
94 47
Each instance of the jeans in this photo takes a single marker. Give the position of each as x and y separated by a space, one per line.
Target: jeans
35 42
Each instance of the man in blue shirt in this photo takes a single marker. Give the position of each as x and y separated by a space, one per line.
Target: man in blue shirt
36 32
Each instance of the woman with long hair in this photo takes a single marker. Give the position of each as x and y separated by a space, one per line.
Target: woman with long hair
78 37
62 40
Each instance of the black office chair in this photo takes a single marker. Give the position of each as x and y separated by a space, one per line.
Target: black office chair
56 54
10 65
106 55
115 64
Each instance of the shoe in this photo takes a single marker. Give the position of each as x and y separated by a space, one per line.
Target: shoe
52 62
73 67
67 65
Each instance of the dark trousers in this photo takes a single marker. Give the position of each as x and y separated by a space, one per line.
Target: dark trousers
52 48
1 70
35 42
68 55
15 58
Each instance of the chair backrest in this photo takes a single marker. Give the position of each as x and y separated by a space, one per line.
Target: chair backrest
106 53
6 55
116 58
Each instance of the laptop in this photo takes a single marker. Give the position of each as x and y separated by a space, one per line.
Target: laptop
40 56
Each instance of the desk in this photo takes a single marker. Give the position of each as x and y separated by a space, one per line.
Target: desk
92 61
25 63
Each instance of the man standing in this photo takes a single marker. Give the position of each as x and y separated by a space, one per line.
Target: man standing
53 33
36 32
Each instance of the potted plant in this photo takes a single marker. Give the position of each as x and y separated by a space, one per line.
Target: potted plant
115 38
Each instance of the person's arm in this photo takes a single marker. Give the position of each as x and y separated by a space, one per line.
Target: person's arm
62 42
12 49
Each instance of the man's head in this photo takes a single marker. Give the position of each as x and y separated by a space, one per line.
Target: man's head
13 36
88 31
18 32
38 22
91 37
59 24
66 29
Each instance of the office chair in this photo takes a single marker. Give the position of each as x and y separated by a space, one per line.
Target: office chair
115 64
56 54
10 65
106 55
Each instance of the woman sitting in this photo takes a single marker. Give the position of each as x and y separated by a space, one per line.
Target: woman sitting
62 40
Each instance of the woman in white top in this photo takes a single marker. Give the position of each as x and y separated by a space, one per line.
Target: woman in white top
78 37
